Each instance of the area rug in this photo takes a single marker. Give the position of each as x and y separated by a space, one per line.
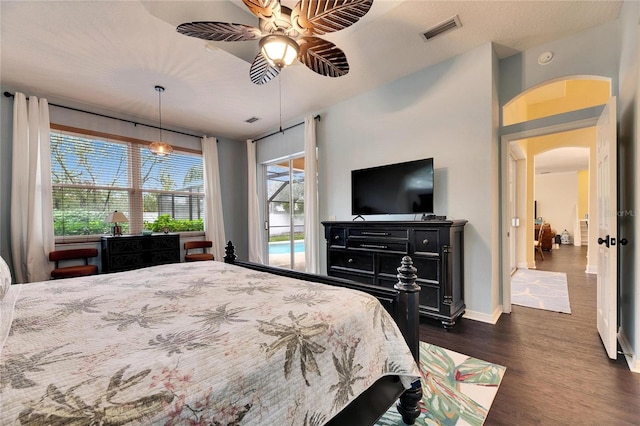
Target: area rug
456 389
540 290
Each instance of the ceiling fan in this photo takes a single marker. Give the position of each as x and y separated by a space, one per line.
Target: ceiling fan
285 34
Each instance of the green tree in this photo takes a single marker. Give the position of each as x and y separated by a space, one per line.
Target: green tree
194 174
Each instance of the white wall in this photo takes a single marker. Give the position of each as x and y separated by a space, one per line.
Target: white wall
557 199
591 52
446 112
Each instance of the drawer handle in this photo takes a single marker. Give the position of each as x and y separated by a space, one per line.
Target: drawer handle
425 242
375 233
378 246
337 237
350 261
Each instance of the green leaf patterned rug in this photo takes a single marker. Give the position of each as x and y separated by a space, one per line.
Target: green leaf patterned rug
456 389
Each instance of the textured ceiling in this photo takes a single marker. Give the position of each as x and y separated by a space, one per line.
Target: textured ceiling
111 54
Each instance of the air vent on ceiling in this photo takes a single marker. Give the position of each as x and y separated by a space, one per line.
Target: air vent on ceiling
251 120
441 28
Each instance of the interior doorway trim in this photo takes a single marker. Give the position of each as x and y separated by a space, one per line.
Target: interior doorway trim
505 219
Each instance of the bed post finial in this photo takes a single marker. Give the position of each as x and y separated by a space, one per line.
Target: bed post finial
409 323
409 300
229 253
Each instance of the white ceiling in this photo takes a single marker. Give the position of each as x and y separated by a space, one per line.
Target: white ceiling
111 54
560 160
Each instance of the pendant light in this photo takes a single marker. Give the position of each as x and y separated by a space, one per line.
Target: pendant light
160 148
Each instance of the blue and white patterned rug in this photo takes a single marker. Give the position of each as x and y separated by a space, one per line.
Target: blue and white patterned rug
540 290
457 390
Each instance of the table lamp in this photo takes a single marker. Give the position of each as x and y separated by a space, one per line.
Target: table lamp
114 218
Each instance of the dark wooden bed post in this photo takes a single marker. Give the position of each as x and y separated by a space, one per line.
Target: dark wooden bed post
229 253
408 320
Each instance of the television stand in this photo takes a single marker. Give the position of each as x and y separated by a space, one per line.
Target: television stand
358 216
369 252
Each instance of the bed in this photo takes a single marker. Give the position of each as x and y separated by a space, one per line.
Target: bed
208 343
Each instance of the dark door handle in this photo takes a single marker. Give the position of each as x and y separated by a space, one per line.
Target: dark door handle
604 241
623 241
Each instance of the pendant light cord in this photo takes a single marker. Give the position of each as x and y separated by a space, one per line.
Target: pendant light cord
160 89
280 92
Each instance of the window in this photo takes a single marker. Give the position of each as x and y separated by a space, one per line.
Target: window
94 175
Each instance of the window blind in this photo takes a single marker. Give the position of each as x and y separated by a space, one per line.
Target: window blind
94 175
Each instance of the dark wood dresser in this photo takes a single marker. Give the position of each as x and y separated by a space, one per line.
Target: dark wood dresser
370 252
128 252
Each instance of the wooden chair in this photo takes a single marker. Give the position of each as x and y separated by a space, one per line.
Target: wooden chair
537 243
73 270
197 245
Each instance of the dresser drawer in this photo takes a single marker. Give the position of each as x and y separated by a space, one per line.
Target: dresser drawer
165 242
429 298
337 237
373 233
427 241
121 262
351 260
378 245
125 245
159 257
427 267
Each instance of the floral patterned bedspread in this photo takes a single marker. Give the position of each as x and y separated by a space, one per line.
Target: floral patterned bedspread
191 343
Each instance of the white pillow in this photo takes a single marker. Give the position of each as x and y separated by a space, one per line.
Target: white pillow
5 278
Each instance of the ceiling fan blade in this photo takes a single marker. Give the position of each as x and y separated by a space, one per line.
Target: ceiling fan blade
319 17
323 57
219 31
261 71
264 9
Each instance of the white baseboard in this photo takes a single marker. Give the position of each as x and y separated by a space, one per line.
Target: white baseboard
523 265
630 356
482 317
591 269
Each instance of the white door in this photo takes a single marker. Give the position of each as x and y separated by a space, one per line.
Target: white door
607 283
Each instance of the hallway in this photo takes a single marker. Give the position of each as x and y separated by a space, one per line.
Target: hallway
558 372
572 260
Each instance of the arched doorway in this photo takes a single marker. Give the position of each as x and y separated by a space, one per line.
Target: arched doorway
555 114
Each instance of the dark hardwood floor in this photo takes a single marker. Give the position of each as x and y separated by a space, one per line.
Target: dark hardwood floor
558 372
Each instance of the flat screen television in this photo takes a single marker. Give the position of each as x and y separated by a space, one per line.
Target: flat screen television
401 188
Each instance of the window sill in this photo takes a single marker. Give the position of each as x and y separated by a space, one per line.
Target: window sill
77 239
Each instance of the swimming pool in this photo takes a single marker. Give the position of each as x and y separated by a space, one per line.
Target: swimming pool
283 247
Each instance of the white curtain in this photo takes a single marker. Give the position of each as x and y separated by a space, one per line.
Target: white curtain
311 234
214 219
255 227
31 198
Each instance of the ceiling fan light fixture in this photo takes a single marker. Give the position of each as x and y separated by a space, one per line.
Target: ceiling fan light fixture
279 50
161 149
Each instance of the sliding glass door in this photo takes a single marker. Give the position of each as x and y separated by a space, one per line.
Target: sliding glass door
285 212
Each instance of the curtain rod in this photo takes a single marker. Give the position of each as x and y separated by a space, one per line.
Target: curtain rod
316 117
11 95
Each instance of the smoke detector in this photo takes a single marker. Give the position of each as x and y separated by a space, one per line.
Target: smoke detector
545 57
